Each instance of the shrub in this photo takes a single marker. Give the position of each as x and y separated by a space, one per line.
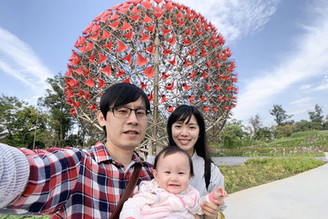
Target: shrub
285 131
231 142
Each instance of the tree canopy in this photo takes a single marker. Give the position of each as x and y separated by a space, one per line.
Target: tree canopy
316 116
280 115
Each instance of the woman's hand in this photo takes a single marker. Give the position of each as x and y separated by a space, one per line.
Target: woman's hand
211 209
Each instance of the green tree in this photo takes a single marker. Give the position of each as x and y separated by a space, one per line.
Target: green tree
285 130
8 107
305 125
264 133
325 123
317 116
256 124
233 133
20 123
280 115
61 121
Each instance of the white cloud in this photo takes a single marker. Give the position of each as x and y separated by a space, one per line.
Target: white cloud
18 60
323 85
308 60
13 72
235 19
305 86
302 101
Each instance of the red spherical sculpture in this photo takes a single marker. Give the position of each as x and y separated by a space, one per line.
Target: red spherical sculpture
170 51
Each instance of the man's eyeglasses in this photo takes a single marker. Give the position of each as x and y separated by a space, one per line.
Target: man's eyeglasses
125 112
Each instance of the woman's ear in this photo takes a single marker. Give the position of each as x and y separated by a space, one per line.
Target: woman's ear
101 119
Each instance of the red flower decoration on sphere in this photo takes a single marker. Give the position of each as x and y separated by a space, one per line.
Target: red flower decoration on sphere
169 50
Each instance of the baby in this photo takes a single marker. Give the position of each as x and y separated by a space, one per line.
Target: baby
169 194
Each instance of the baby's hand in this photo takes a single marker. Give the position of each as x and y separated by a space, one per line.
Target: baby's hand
219 193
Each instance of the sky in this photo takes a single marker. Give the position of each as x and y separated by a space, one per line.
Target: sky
280 49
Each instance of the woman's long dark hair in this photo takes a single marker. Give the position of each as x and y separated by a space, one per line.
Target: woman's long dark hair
183 113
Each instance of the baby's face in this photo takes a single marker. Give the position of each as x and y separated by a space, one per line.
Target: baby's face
173 173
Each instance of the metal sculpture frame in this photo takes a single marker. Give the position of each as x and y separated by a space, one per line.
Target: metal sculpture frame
170 51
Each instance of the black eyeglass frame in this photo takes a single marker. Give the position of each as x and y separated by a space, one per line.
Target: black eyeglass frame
112 109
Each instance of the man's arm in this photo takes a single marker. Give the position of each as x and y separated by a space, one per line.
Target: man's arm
14 173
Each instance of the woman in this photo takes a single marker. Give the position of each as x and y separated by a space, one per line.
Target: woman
186 129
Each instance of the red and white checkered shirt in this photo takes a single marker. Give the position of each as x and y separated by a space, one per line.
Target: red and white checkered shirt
73 183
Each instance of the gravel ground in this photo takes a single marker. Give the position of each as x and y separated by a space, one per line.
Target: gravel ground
229 161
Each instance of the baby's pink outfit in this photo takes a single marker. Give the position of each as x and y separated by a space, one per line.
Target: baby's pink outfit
154 202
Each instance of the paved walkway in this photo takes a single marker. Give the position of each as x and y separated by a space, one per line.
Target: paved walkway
302 196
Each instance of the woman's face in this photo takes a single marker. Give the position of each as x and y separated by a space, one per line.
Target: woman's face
186 135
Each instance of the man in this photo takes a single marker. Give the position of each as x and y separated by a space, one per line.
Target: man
87 183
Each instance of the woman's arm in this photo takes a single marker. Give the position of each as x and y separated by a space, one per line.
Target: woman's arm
211 209
217 180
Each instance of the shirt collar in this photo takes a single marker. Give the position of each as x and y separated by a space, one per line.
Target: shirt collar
101 154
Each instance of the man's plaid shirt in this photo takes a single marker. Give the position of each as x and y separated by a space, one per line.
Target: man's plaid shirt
72 183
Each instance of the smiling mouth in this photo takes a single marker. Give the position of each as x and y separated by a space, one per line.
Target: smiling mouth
184 140
131 132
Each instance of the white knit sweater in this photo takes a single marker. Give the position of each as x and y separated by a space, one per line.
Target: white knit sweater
14 173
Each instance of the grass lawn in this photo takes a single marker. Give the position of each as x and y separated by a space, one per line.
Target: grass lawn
282 158
299 144
259 171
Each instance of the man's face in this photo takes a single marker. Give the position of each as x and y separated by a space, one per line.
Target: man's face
125 133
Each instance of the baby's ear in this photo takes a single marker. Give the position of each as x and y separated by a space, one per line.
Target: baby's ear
154 173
